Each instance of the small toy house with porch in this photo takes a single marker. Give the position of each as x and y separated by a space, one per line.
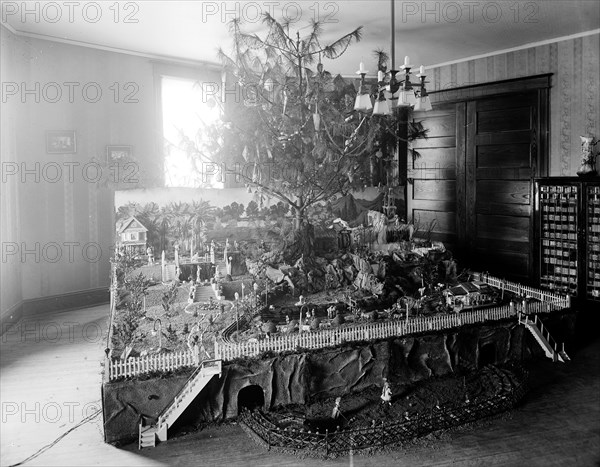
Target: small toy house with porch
132 236
467 294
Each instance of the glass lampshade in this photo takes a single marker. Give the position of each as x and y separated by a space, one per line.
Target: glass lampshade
363 102
423 104
406 98
381 107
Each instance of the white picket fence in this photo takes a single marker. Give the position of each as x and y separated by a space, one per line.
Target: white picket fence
382 330
349 333
158 362
541 295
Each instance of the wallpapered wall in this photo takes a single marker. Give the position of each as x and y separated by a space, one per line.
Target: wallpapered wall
61 222
574 96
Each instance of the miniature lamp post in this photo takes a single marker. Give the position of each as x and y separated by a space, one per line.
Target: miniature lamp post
243 287
255 286
302 306
266 292
159 332
237 314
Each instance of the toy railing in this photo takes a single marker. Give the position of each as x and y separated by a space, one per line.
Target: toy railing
564 301
160 362
366 331
207 367
349 333
379 435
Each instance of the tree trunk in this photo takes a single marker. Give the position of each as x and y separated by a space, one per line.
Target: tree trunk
303 239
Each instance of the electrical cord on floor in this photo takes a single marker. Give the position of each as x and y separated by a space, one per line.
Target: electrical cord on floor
87 419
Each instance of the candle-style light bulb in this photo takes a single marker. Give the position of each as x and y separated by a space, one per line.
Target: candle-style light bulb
422 70
406 62
380 76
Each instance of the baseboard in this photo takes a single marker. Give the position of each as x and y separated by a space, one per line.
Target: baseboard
54 303
65 302
11 317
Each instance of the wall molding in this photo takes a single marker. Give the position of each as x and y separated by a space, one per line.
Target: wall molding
55 303
92 45
530 45
11 316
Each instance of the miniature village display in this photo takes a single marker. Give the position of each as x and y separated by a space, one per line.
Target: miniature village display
217 304
321 323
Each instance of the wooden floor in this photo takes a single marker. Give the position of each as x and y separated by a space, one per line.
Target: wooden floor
50 381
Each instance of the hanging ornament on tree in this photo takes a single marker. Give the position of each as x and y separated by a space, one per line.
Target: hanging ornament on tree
255 174
316 119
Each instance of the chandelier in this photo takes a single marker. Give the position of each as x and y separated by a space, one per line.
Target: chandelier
392 93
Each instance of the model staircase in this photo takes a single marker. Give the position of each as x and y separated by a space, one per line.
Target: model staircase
195 383
543 337
204 293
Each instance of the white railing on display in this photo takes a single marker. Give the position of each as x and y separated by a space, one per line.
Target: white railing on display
367 331
541 295
348 333
158 362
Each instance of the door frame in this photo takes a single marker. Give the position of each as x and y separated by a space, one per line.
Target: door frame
461 96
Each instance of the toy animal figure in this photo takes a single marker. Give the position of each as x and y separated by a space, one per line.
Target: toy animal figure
588 157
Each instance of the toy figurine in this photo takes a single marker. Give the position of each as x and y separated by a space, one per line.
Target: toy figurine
588 158
336 412
386 393
150 253
192 294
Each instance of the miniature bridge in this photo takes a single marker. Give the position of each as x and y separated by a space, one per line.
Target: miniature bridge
196 382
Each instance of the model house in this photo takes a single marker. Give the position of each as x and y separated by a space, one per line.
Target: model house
132 235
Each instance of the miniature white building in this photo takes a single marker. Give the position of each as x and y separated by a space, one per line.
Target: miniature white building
132 236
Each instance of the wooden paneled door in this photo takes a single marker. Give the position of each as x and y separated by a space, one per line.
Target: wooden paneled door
435 189
473 181
501 157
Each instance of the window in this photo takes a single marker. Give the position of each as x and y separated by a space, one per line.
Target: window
187 107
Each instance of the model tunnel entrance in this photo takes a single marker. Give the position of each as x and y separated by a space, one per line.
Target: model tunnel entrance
487 354
251 398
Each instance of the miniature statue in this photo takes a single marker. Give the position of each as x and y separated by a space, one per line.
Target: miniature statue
192 294
150 253
336 412
588 157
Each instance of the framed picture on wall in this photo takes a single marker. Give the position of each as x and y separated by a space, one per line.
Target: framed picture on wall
118 153
61 142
